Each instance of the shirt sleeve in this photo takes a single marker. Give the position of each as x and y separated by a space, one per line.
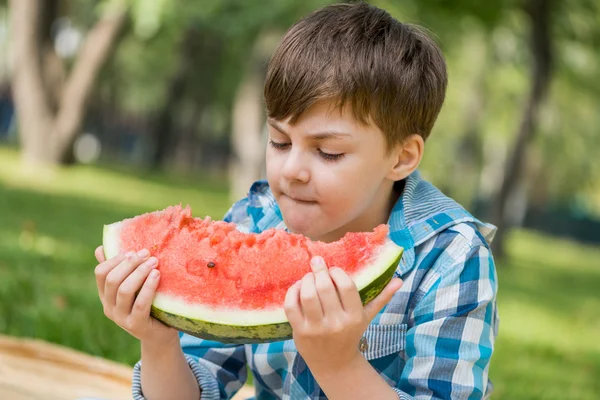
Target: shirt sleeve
450 345
238 214
220 369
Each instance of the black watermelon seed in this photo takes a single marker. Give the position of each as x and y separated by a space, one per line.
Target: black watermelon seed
210 265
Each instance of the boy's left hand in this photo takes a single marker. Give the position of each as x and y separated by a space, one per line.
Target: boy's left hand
328 318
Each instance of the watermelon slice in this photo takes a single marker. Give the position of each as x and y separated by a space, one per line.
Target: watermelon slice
222 284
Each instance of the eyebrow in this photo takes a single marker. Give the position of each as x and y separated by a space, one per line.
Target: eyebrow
313 135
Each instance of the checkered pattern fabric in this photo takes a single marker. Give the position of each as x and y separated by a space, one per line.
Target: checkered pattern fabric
434 340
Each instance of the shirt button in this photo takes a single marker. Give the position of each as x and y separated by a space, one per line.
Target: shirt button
363 345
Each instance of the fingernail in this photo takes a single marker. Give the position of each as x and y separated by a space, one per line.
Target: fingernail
152 261
154 274
318 263
143 253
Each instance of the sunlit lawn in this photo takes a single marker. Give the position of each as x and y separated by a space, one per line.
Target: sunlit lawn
50 224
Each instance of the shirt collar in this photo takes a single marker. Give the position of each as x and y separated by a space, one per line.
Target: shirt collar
421 212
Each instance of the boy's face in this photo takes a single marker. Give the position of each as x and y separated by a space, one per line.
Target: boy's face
329 173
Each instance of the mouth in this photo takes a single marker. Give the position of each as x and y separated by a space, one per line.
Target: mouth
300 200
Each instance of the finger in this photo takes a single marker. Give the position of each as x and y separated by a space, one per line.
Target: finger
143 302
291 305
119 273
309 299
99 253
328 296
103 269
131 285
377 304
347 291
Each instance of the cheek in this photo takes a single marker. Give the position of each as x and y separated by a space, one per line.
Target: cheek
338 190
348 190
345 201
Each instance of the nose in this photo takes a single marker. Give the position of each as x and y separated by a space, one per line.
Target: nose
295 167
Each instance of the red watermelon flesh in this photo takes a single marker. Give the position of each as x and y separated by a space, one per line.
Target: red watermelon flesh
206 261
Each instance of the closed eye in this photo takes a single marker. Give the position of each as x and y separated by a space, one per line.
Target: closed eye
279 146
330 157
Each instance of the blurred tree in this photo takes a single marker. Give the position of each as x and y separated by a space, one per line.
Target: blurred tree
50 103
539 14
199 55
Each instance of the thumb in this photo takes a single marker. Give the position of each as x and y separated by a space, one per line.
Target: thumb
99 253
377 304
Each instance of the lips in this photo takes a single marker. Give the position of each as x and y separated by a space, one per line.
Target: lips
300 199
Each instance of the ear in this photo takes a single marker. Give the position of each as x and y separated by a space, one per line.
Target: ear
406 157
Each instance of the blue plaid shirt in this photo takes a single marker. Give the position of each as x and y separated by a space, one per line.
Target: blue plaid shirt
435 338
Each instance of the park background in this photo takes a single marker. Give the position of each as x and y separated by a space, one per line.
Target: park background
113 108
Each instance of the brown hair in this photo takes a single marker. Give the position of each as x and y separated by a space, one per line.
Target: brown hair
393 74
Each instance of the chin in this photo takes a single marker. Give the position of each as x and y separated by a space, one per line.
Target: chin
298 226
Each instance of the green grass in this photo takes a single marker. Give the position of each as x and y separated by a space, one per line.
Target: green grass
549 302
50 224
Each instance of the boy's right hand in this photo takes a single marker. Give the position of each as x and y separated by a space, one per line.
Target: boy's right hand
118 280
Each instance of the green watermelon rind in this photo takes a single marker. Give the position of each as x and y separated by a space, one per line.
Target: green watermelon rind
224 333
266 331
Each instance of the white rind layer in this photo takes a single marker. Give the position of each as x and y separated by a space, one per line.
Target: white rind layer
111 239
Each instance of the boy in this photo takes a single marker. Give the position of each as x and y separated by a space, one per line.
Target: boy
351 95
